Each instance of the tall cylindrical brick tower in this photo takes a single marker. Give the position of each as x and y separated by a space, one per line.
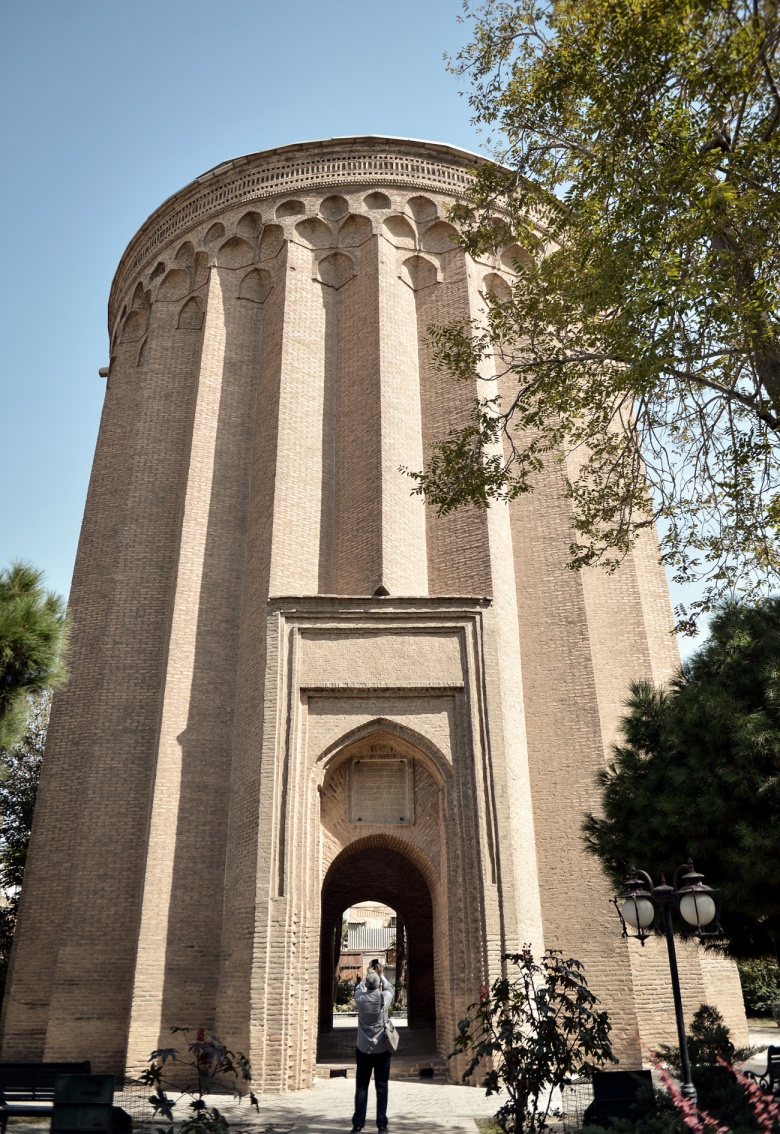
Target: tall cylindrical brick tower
293 687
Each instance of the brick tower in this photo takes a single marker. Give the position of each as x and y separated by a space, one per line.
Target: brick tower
293 687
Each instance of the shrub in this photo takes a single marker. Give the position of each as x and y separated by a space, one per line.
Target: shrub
760 985
345 993
709 1042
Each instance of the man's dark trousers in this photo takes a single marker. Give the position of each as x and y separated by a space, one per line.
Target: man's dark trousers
379 1063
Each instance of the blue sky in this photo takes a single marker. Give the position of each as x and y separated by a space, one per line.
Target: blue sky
107 109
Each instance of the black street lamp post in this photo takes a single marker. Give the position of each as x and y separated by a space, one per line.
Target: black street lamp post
648 910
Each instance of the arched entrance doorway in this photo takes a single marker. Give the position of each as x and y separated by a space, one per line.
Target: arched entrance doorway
371 870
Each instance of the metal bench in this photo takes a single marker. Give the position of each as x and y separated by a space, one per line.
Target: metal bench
768 1080
27 1089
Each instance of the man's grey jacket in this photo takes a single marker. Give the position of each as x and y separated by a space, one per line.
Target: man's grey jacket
371 1008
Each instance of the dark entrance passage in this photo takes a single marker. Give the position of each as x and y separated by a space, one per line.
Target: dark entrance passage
369 872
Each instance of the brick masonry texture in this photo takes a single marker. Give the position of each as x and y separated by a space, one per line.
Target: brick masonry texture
193 847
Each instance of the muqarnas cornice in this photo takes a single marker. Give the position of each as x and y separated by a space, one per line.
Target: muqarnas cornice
366 161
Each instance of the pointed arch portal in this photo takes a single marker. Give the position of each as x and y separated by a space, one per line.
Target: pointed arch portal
365 871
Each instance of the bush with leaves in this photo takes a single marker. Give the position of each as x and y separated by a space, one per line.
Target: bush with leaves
760 980
535 1030
728 1103
209 1067
345 996
709 1039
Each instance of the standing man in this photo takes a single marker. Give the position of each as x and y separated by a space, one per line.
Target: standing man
373 997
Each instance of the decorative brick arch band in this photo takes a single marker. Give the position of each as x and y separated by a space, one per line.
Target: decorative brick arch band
331 163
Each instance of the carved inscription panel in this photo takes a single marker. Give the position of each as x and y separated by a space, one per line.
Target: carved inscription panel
381 789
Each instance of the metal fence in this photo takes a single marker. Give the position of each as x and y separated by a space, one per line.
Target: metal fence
133 1098
575 1100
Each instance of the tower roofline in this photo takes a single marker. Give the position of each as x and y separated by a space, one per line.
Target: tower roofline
372 159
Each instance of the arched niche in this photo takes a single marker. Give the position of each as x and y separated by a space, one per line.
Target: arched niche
235 253
336 270
494 284
382 868
502 233
354 231
377 201
418 273
515 258
134 327
440 237
250 226
314 232
214 234
271 242
256 286
185 255
200 269
399 232
389 733
140 298
291 209
191 315
174 285
334 207
422 208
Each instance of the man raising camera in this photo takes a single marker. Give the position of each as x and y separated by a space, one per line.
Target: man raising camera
373 997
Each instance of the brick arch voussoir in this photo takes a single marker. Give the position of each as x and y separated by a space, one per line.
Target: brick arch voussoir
421 748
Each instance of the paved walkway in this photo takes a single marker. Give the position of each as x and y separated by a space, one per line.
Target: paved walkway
414 1108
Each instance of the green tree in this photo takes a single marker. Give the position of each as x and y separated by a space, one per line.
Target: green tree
18 788
638 176
33 633
698 772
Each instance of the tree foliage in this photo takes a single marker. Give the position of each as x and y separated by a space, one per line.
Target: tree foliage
33 632
760 979
698 773
638 144
536 1029
21 766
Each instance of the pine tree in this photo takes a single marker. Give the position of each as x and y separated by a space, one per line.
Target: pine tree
698 773
21 766
33 633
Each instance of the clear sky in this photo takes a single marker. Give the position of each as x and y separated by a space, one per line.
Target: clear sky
107 108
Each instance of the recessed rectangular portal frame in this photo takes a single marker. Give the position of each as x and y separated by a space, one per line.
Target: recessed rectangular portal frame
421 674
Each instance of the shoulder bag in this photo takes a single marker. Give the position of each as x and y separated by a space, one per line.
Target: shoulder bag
391 1032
